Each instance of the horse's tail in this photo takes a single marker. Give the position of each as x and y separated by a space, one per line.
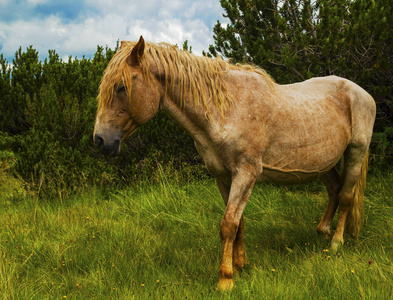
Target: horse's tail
355 215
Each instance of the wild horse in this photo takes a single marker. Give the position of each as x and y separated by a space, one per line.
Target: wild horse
247 129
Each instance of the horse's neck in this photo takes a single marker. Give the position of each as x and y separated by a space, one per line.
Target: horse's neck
181 107
190 117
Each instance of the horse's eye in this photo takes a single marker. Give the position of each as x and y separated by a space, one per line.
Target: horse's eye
121 89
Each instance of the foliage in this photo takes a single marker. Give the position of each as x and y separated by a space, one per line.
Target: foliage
11 187
47 112
382 148
160 240
298 39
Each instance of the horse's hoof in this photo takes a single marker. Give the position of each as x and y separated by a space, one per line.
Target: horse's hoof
325 235
325 232
225 285
336 245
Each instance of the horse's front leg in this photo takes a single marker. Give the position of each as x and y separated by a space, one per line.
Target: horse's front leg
239 253
241 187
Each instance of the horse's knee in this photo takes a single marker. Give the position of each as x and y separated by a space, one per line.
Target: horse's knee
345 200
228 229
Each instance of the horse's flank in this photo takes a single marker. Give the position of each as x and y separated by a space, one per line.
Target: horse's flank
184 73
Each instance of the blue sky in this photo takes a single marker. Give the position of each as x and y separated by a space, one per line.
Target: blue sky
76 27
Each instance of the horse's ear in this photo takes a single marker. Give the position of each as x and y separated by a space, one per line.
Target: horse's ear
136 53
123 44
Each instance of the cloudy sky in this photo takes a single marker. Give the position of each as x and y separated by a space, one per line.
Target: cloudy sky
76 27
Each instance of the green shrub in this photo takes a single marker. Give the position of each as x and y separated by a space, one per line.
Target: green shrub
382 148
47 113
11 187
7 163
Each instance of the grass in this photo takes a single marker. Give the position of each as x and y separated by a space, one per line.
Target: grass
161 241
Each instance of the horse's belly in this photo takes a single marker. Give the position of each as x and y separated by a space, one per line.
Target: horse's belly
299 167
289 162
288 177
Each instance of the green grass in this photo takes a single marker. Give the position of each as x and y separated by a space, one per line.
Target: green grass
161 241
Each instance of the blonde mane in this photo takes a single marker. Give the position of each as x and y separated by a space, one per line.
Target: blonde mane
184 72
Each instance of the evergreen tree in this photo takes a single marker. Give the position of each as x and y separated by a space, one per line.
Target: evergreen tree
369 40
298 39
289 38
24 83
5 96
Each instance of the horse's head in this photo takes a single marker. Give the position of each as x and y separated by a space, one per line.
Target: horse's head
129 97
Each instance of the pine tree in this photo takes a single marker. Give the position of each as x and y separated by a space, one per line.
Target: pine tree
298 39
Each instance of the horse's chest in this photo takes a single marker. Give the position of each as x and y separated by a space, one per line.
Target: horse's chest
213 162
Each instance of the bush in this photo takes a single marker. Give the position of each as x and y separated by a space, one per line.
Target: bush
47 113
382 148
11 187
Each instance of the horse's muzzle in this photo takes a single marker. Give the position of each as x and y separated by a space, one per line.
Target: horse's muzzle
106 148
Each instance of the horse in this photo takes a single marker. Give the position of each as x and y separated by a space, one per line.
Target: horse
247 129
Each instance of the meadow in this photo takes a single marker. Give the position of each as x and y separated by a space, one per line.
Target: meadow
160 240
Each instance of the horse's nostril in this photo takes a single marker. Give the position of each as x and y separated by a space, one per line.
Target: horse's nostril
99 141
107 147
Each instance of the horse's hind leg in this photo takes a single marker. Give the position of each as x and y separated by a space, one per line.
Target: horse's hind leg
354 172
332 181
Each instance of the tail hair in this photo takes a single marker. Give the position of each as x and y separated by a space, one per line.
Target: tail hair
355 215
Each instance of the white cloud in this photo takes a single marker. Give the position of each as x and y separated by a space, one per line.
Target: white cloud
43 35
106 22
2 34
